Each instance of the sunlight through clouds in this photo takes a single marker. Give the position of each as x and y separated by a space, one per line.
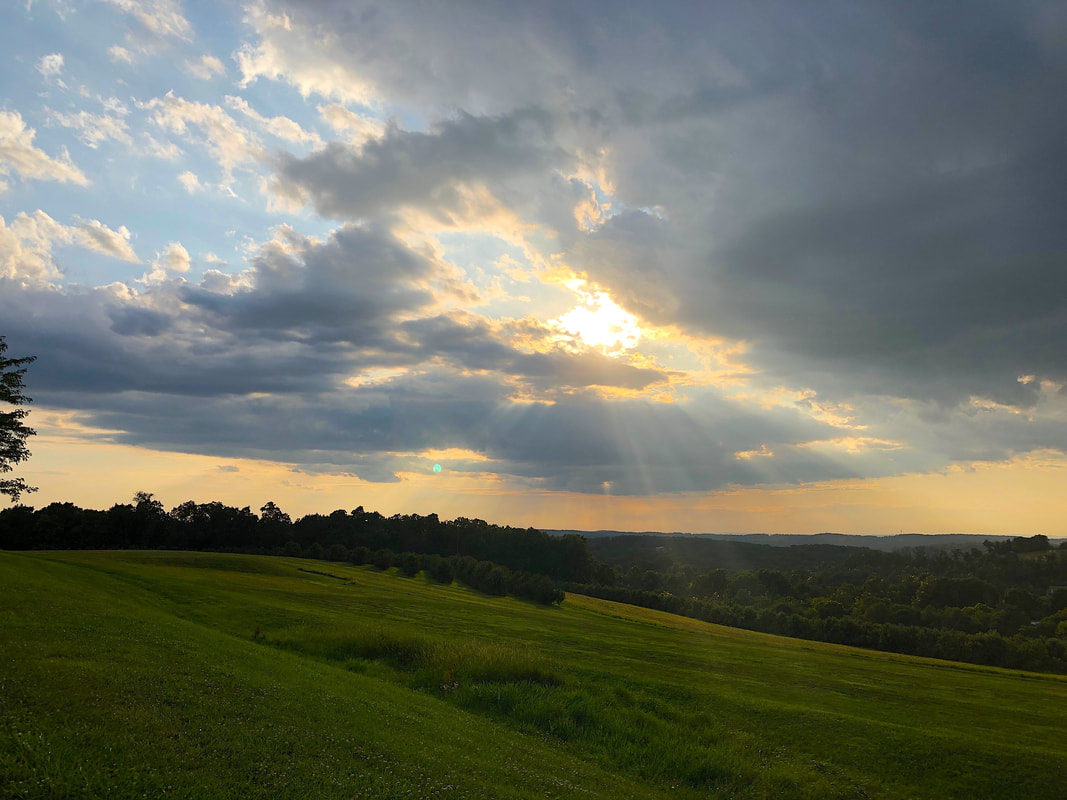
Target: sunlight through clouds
598 322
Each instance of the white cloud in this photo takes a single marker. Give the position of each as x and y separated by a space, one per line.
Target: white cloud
205 68
292 54
92 129
282 127
227 142
159 18
168 151
190 182
94 235
18 155
26 245
174 258
119 55
51 66
355 127
114 106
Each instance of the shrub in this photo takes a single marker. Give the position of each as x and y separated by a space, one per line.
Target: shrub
382 559
409 564
441 570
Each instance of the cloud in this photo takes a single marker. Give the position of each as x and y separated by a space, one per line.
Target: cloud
156 19
226 141
281 127
864 230
356 128
297 57
346 289
26 245
339 338
190 182
94 235
205 68
18 156
50 66
168 151
421 169
119 55
92 129
174 258
309 321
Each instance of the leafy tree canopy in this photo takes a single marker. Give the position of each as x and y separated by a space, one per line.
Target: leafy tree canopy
13 433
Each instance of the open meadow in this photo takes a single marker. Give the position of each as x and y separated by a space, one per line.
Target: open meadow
144 673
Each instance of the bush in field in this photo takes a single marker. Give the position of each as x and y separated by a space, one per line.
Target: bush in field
382 559
440 569
337 552
538 588
410 564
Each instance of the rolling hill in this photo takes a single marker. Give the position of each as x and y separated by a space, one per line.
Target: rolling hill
147 673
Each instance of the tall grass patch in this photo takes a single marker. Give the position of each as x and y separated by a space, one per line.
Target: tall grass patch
438 665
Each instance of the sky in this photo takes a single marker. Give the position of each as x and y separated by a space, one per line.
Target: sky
712 266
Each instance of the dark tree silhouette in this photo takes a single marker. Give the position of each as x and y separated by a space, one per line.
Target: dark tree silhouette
13 433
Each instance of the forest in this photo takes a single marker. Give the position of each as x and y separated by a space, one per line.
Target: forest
1004 605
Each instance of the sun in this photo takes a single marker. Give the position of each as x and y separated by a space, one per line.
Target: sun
597 321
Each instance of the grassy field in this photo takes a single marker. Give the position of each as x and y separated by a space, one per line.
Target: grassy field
145 674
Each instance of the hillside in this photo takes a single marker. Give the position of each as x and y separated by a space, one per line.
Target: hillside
204 675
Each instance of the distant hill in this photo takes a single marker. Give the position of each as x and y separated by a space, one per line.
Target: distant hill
899 541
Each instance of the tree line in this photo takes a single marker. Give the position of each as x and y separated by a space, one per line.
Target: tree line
523 562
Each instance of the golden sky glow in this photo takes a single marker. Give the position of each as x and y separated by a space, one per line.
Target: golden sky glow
1022 496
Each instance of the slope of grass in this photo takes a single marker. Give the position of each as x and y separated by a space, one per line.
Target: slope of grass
144 673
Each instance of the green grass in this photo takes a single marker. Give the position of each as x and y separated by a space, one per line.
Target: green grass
146 674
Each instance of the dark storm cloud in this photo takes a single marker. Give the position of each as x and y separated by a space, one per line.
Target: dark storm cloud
579 444
893 225
343 289
955 287
231 390
138 322
93 343
307 315
416 168
257 366
868 193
